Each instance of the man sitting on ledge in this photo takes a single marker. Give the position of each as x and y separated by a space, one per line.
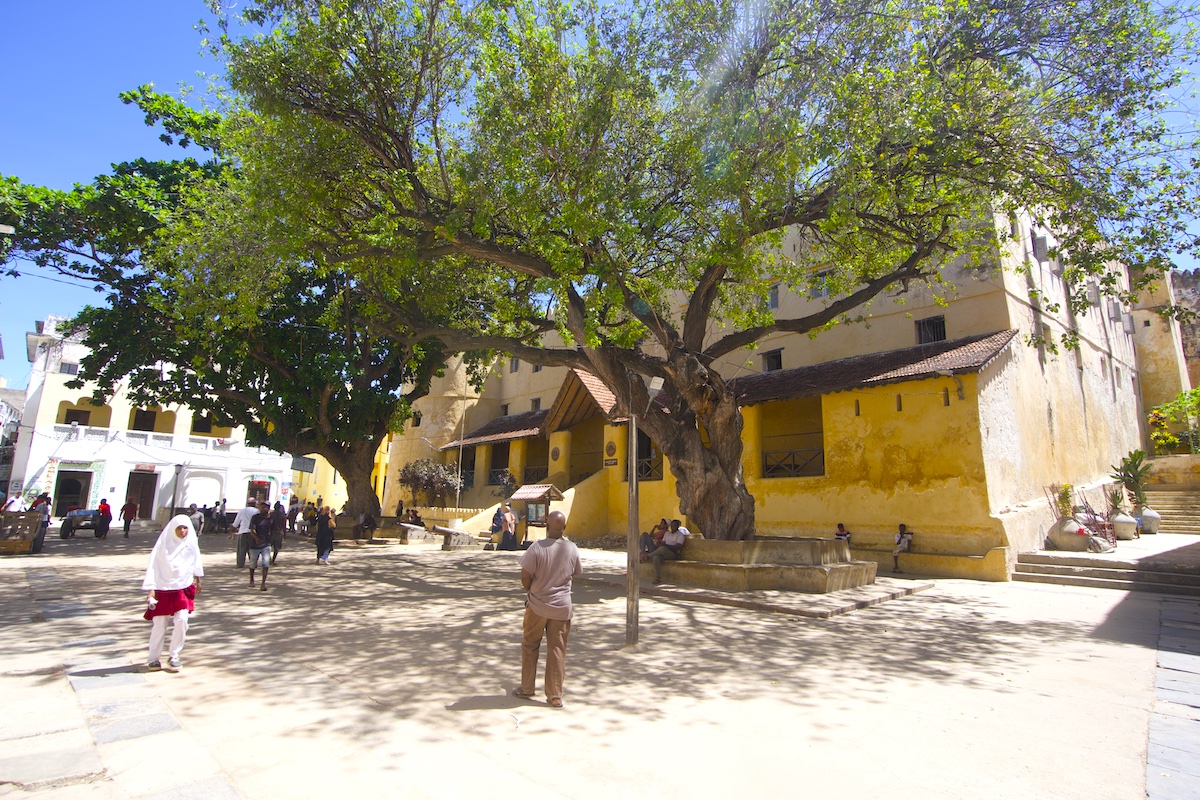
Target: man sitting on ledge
671 549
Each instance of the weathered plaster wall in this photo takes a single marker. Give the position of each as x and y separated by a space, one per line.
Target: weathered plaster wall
1161 361
892 454
1047 420
1181 470
1186 288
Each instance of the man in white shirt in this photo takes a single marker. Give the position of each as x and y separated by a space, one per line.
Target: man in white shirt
16 504
671 548
547 568
241 529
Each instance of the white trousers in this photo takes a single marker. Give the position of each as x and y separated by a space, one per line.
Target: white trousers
158 632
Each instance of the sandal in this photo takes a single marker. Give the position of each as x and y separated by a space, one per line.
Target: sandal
555 703
522 695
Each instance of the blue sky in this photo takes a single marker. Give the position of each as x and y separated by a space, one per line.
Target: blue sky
61 122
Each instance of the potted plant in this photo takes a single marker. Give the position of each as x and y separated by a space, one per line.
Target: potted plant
1066 533
1124 526
1131 474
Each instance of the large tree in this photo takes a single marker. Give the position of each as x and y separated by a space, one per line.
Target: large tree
203 309
637 176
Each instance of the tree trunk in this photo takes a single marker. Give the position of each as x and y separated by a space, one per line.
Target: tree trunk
711 482
355 463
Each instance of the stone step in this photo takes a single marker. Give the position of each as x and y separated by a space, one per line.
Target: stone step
1108 563
1102 583
1184 526
1105 573
818 578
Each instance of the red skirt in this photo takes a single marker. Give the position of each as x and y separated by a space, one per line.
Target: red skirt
172 600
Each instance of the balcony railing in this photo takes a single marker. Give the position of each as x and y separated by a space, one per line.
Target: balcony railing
803 463
81 433
536 474
496 476
650 469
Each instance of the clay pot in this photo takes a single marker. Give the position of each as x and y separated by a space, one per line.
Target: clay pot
1149 517
1068 534
1124 526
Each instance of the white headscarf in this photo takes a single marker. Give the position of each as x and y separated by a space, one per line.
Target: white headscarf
174 562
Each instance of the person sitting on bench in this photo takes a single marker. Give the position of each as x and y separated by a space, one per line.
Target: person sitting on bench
903 545
671 548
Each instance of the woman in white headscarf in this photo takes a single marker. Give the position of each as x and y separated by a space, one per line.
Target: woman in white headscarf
172 581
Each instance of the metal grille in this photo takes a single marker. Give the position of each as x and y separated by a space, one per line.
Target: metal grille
794 463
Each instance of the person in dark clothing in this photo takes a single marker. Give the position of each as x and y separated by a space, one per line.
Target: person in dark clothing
279 523
259 548
326 523
128 512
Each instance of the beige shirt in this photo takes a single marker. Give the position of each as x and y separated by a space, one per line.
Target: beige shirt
552 563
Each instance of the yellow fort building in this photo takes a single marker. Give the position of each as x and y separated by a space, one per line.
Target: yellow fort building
945 410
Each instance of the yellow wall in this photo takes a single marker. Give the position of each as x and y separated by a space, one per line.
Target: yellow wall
919 464
323 483
99 416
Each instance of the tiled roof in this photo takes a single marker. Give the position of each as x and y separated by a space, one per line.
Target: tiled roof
877 369
605 399
502 429
537 491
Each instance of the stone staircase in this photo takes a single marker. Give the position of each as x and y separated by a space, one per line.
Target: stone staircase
1179 506
1066 570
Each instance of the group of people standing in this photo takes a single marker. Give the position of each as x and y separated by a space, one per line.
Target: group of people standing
175 569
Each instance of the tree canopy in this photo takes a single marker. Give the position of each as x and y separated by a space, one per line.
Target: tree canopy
636 176
202 310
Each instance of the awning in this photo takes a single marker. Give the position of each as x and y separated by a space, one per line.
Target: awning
536 492
969 354
502 429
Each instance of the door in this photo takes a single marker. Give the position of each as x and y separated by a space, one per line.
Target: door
71 490
141 491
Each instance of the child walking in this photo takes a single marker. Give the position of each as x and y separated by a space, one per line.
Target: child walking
172 581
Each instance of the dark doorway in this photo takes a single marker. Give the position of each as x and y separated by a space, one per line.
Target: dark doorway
141 491
71 490
259 490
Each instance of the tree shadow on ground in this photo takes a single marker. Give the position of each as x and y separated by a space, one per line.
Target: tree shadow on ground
423 636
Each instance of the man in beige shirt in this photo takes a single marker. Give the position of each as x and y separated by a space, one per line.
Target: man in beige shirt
547 568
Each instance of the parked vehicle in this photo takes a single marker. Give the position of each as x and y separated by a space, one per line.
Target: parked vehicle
78 518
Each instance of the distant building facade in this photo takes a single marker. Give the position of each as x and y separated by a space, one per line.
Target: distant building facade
155 456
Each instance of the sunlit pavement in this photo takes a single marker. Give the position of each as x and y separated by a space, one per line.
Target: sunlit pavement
388 672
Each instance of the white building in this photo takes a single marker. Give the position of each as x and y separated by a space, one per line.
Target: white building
81 452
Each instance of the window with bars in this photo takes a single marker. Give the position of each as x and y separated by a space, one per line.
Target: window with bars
772 361
773 297
820 288
931 329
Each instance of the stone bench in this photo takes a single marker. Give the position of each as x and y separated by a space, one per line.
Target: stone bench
991 565
410 534
453 539
798 565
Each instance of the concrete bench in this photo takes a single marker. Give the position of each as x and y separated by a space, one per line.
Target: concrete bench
414 533
991 565
798 565
453 539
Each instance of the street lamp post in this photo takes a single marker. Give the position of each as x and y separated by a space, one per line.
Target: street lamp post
632 583
175 489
